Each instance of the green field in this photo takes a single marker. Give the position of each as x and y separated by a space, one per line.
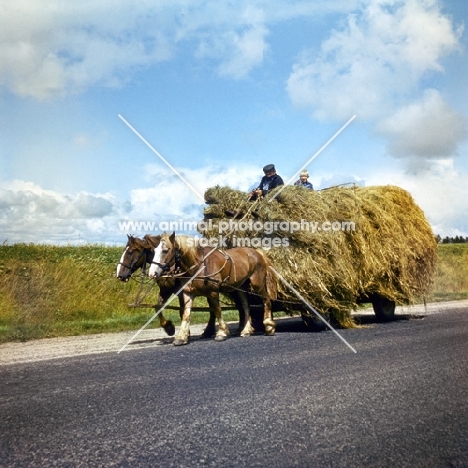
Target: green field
50 291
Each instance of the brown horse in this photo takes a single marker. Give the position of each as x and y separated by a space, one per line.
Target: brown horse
139 253
233 270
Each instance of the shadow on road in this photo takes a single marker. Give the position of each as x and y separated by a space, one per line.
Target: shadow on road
283 325
296 325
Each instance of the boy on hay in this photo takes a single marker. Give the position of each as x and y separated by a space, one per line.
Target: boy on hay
303 182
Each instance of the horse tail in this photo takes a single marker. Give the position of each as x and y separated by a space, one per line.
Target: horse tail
271 284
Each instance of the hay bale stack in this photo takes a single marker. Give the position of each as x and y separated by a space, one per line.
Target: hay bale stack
390 253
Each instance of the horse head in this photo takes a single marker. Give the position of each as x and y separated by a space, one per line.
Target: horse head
164 255
137 253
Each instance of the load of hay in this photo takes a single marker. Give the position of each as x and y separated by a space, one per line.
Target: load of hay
309 238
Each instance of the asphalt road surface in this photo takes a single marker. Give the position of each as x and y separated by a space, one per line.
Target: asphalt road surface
296 399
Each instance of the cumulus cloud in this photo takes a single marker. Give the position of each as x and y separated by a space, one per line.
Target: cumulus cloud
168 195
440 190
369 66
428 129
374 66
29 213
68 47
20 199
238 50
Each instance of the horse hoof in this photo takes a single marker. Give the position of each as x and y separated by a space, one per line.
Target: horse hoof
205 336
169 328
179 342
208 333
270 327
220 338
248 330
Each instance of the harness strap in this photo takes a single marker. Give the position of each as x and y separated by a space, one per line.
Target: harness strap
131 266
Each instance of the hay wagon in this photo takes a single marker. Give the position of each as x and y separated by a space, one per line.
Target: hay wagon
338 247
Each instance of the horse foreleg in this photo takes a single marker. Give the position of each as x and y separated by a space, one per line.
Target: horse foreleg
210 329
223 330
168 326
182 338
248 329
235 296
268 322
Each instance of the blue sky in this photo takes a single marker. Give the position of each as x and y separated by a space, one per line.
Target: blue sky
220 89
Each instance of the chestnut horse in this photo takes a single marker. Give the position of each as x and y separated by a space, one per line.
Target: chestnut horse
139 253
232 270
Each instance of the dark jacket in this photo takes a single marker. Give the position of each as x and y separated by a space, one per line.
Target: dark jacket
269 183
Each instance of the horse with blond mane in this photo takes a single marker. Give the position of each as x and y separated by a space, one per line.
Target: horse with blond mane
138 254
205 271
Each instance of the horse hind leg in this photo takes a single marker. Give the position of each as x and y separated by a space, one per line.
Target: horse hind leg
223 329
235 296
210 329
248 329
268 322
260 286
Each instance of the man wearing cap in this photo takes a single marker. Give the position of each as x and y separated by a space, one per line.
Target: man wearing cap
303 182
269 181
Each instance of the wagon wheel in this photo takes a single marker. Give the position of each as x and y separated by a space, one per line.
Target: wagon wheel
384 308
313 323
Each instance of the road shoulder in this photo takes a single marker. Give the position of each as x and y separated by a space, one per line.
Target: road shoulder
55 348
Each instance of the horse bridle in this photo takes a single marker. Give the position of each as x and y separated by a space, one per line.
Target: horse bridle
166 266
131 267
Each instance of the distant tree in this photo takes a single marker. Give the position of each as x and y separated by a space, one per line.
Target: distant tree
438 239
452 240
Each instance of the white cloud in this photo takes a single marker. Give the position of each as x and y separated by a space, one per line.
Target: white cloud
29 213
440 190
67 47
369 66
239 50
170 196
428 128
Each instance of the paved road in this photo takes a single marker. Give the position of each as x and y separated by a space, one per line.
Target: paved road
292 400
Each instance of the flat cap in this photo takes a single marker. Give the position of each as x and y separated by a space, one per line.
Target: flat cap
269 168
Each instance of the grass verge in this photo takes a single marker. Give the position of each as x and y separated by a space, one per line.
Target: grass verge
48 291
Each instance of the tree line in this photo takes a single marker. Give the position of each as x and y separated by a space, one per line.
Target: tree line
452 240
